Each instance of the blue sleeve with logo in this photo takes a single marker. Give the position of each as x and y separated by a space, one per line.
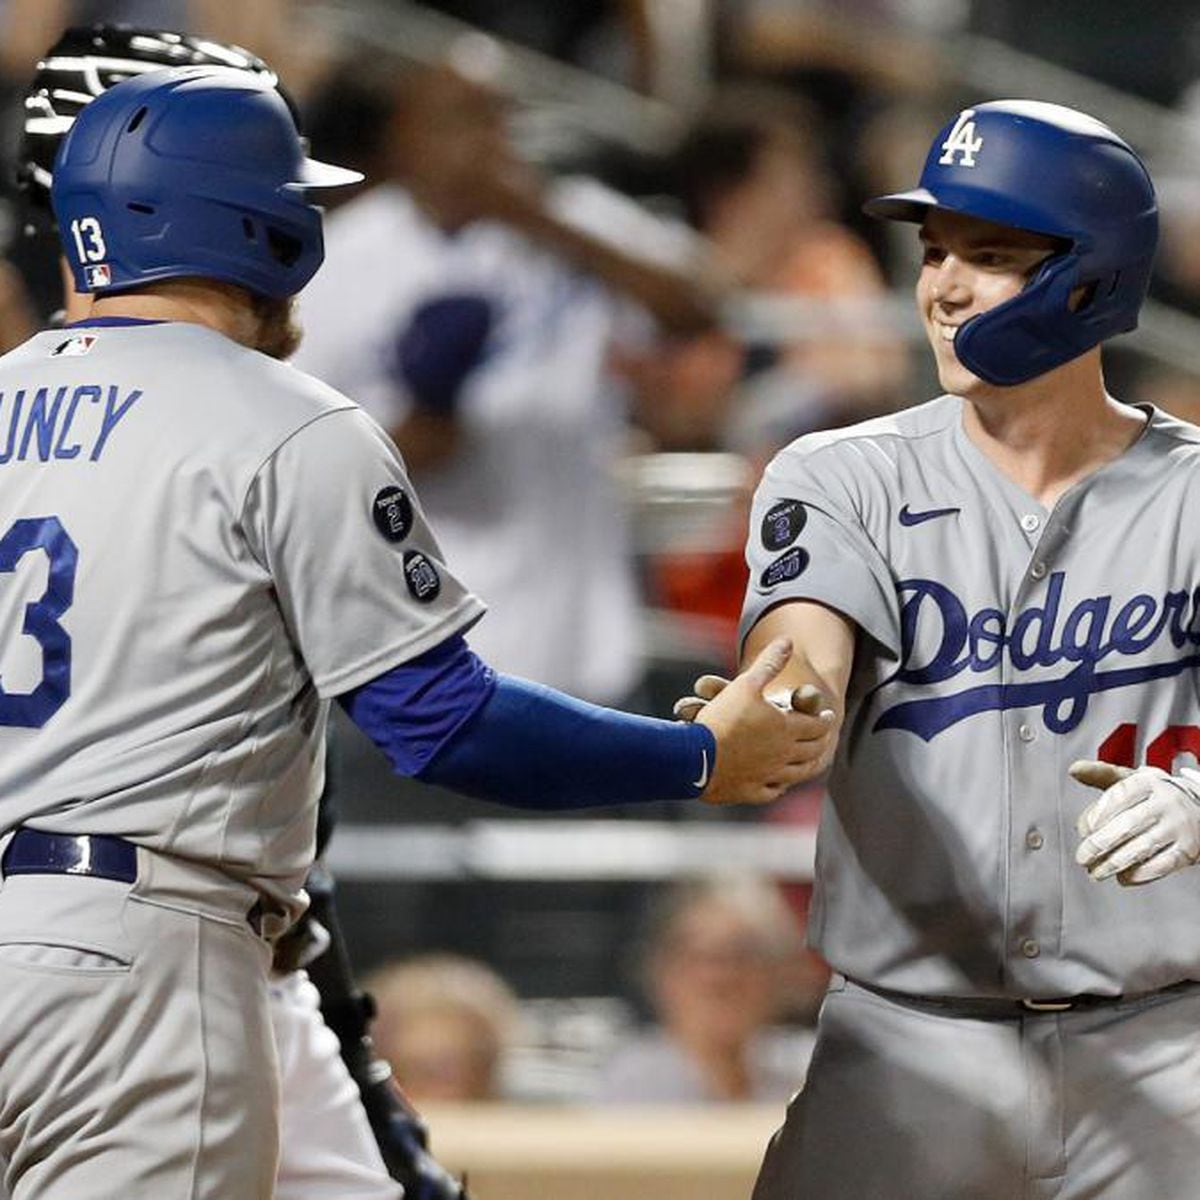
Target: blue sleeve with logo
447 719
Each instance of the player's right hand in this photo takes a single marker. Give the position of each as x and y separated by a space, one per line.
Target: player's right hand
805 699
1145 824
763 747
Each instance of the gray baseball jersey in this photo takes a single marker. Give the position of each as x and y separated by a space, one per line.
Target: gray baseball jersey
997 642
193 560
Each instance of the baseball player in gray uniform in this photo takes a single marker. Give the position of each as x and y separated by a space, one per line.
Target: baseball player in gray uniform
200 548
999 593
334 1091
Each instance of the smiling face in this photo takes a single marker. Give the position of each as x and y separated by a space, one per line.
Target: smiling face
970 266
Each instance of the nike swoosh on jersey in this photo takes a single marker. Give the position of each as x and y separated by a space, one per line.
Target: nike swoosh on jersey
702 782
908 517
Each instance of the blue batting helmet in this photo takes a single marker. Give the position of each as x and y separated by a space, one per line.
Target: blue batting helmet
1054 171
190 172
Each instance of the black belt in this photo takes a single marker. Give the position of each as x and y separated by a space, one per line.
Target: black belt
1004 1007
33 852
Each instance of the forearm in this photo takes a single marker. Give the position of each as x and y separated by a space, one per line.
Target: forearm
823 648
682 301
532 747
28 28
888 58
447 719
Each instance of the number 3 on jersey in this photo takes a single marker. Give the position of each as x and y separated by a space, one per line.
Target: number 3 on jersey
32 710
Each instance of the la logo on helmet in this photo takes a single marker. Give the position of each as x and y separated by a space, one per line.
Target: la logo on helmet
962 140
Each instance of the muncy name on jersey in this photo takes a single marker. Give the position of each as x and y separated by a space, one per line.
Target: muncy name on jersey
40 424
1042 635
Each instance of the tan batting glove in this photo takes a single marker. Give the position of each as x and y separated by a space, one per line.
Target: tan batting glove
764 747
1145 825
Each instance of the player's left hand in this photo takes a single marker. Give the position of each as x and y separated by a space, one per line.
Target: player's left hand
1145 825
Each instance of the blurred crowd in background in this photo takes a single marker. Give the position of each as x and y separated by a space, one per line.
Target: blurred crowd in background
609 257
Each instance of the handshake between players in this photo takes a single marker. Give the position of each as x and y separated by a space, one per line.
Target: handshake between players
763 748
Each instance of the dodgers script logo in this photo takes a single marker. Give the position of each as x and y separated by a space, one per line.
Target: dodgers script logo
1090 634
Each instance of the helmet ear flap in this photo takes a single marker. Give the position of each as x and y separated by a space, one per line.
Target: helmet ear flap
1016 340
284 248
1085 295
1053 320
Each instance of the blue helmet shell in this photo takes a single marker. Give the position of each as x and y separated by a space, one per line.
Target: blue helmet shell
1050 170
190 172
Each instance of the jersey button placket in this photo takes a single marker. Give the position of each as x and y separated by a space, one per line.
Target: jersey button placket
1034 874
1030 524
1035 877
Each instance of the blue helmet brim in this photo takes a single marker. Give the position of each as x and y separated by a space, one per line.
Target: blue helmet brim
1011 212
902 206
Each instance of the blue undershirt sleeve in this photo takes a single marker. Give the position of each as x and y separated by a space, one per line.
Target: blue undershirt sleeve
448 719
410 711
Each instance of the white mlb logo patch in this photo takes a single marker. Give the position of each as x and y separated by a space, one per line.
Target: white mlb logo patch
74 347
98 276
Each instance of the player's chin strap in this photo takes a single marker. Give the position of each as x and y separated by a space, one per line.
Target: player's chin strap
402 1136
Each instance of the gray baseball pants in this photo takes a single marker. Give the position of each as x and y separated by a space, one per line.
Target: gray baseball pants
136 1057
904 1103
